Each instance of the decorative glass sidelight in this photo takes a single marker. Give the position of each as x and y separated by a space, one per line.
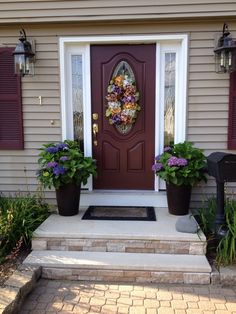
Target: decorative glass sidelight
122 107
169 99
77 98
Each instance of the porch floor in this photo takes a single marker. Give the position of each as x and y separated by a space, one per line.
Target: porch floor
74 227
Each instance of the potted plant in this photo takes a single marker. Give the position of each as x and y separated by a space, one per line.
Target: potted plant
64 167
182 166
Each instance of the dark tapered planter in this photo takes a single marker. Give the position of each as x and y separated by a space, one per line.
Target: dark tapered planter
178 198
68 197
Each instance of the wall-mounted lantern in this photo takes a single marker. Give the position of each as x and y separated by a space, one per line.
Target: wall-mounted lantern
225 52
24 56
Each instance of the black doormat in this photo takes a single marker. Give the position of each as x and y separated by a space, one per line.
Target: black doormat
120 213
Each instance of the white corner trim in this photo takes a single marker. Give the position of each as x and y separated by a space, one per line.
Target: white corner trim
62 89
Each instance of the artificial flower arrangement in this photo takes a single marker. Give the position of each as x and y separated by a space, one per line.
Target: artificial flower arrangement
122 97
181 164
63 163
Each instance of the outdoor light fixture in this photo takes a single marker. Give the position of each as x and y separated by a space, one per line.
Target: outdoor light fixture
24 56
225 52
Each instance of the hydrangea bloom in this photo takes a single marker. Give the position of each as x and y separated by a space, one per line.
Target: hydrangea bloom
64 158
62 146
167 149
59 170
173 161
157 167
177 162
182 162
52 164
51 149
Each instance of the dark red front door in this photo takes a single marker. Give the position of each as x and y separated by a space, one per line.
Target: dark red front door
124 160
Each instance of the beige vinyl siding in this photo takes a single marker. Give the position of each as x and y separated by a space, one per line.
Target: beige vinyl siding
101 10
207 102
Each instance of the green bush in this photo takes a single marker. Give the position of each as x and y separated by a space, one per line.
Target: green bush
224 248
19 217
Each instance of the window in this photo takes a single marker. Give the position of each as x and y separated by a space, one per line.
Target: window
77 98
11 125
169 99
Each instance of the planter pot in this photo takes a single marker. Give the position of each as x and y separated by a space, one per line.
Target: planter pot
178 198
68 197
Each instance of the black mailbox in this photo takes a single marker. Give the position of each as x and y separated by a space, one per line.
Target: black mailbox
222 166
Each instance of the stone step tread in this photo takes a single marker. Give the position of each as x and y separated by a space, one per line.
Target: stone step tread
119 261
73 227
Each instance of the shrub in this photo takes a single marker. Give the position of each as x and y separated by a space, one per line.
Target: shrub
181 164
19 217
62 163
224 248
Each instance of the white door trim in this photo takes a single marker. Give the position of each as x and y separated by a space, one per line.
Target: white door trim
81 44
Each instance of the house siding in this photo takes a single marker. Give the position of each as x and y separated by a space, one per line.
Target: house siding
207 102
91 10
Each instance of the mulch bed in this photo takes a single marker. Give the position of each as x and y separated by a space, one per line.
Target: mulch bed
7 268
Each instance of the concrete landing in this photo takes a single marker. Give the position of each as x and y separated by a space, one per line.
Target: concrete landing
73 227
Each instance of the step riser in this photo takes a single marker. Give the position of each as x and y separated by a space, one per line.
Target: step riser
124 246
125 276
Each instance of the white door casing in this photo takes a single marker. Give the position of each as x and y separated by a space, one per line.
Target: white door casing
164 44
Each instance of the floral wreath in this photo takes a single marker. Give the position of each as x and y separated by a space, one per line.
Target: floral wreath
122 97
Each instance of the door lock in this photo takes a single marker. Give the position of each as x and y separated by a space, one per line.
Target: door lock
95 116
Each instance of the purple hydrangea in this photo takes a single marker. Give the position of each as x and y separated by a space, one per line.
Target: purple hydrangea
62 146
64 158
167 149
59 170
158 157
52 149
52 164
177 162
182 162
173 161
157 167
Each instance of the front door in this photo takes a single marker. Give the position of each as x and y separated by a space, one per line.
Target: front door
124 151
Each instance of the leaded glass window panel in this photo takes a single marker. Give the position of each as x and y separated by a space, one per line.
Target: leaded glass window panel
169 98
77 97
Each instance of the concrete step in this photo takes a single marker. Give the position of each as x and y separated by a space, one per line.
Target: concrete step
118 267
74 234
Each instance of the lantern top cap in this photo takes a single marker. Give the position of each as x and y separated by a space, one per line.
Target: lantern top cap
23 46
225 42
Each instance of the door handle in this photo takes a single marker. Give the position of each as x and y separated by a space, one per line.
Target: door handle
95 131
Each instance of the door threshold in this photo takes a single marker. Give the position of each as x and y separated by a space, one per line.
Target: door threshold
128 191
123 198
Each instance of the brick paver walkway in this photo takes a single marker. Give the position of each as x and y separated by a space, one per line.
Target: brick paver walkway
89 297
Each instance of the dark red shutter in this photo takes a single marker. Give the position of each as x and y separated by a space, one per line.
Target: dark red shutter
11 124
232 112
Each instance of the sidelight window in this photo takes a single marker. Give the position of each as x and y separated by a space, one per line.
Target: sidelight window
169 99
